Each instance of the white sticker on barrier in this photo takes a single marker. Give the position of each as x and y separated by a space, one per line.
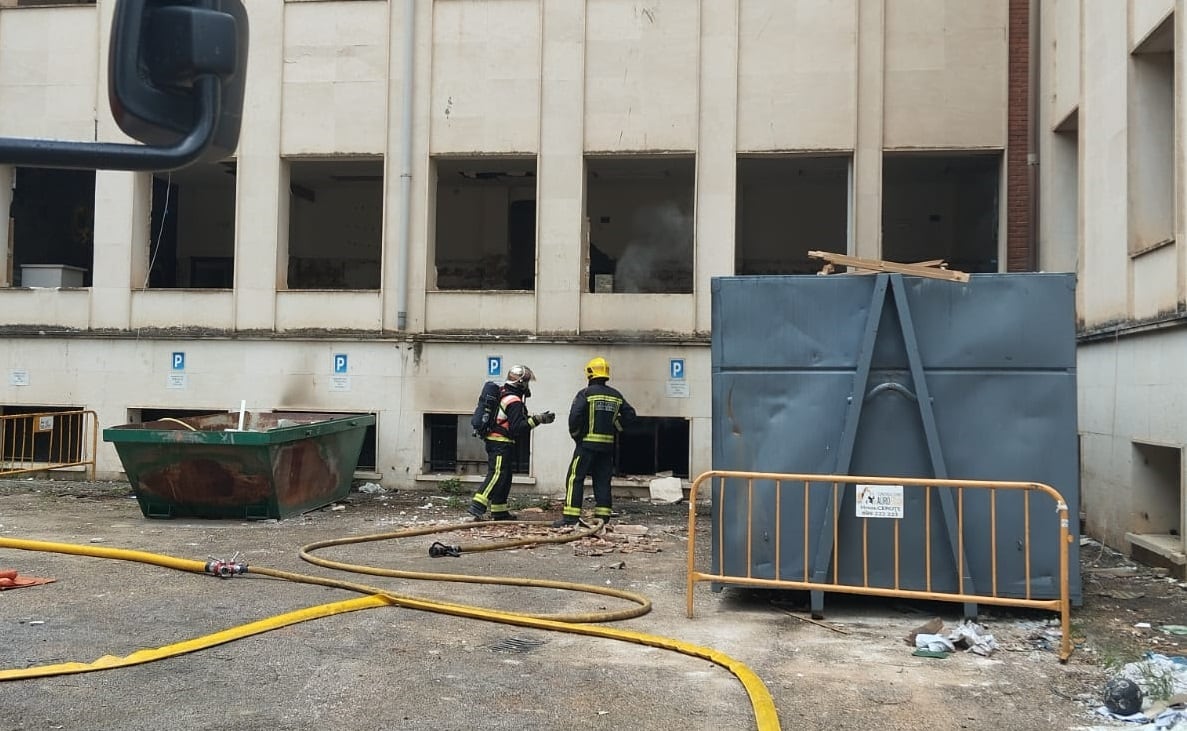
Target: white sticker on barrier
879 501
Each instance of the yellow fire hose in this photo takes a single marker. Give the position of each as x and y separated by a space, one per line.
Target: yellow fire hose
760 699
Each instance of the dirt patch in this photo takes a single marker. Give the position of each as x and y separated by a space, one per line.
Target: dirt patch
405 669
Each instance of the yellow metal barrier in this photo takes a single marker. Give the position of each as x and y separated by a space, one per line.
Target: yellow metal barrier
833 488
48 440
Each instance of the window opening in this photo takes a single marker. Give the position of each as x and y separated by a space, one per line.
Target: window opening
1151 138
651 445
640 224
450 447
1157 508
788 206
486 224
53 222
191 242
941 206
335 224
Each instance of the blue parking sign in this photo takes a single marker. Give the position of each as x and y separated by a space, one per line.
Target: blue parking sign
676 369
179 361
340 363
494 365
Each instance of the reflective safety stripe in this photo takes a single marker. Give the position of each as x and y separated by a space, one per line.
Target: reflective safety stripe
570 484
594 404
501 419
483 495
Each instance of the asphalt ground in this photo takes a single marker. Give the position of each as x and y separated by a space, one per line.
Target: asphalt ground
399 668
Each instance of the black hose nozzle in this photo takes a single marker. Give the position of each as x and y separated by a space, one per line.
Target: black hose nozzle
439 549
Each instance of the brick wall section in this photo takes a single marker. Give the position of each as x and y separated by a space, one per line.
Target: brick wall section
1019 244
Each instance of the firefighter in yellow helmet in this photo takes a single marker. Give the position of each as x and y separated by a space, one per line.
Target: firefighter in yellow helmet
597 415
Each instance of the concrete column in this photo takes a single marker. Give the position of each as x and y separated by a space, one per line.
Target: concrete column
867 157
717 151
1104 172
260 197
560 167
123 205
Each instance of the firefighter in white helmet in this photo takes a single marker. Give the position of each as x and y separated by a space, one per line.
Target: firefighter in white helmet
597 415
512 422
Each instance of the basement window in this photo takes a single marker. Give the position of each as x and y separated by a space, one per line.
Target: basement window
788 206
367 460
451 448
335 224
486 224
651 445
640 224
1157 494
37 441
192 228
53 221
941 206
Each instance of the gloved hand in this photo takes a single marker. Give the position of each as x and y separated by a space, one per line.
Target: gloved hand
546 418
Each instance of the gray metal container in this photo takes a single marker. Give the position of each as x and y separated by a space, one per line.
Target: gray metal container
806 381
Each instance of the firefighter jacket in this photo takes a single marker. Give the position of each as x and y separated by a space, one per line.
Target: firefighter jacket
513 420
598 414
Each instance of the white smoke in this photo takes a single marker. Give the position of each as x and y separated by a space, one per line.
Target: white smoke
659 256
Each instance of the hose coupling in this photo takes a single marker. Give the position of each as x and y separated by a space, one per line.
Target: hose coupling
439 549
225 569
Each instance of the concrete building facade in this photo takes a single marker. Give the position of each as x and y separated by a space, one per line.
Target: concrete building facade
421 187
1113 207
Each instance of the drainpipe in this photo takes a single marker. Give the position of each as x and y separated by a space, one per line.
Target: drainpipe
405 167
1034 61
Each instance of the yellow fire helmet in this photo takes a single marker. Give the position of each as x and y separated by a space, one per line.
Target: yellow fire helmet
597 368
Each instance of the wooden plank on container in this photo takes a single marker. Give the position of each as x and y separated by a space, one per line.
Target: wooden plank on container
878 265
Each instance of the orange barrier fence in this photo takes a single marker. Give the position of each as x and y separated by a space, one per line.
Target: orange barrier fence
948 526
50 440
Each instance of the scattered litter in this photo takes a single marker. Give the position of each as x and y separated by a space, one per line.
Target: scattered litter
1124 595
96 540
338 507
618 565
1156 677
37 621
370 488
1142 625
967 635
1112 571
1174 629
939 655
1122 697
931 627
631 530
666 490
809 620
974 638
1045 638
11 579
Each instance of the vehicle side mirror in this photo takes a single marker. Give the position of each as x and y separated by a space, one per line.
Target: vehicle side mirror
176 76
158 49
